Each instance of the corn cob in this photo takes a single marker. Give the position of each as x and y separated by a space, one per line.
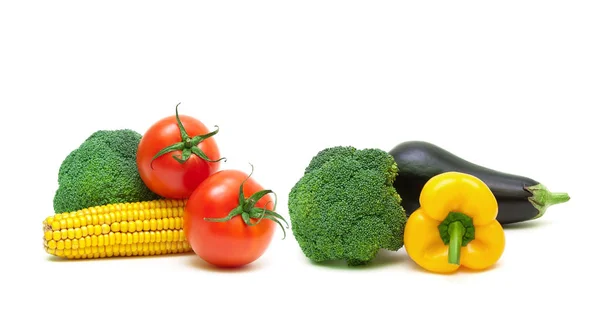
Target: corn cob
123 229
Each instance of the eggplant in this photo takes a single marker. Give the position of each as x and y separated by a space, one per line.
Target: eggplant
519 198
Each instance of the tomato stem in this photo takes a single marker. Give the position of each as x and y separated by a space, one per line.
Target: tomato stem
187 146
248 210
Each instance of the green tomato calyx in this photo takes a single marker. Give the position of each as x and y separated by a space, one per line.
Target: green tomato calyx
188 145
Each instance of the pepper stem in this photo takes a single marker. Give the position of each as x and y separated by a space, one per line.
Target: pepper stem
456 231
542 198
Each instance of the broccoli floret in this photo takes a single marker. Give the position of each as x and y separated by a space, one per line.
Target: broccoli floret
103 170
345 207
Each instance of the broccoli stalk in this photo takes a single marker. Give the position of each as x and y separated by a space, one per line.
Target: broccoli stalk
102 170
345 207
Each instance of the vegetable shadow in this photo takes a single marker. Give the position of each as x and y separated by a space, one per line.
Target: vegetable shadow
53 258
384 258
197 263
525 225
461 271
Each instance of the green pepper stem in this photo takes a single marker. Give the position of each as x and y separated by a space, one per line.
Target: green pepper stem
456 231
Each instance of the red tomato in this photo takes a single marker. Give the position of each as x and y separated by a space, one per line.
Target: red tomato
166 175
229 243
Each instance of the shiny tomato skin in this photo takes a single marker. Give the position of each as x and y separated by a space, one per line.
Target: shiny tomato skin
231 243
167 177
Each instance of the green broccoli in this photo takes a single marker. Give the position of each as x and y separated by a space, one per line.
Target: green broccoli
345 207
103 170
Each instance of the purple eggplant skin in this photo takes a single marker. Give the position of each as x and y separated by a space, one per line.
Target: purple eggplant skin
519 198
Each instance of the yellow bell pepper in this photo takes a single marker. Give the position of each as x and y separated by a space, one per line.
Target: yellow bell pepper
455 225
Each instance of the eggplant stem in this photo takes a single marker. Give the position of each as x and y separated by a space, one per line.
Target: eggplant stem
542 198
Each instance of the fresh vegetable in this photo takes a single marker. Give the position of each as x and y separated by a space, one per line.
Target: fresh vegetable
344 207
121 229
176 154
455 226
230 219
519 198
102 170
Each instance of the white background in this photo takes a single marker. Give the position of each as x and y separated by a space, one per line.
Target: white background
506 84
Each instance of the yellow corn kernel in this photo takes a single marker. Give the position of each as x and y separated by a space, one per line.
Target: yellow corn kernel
135 237
153 225
78 233
75 244
94 241
159 224
52 244
64 234
76 222
109 218
111 238
83 221
105 228
146 225
178 222
139 225
124 226
115 227
88 241
94 218
55 225
84 231
48 235
69 222
70 233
